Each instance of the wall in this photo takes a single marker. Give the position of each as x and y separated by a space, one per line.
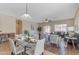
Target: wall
76 21
27 26
7 23
69 22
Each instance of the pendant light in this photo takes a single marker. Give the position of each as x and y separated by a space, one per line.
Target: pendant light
26 15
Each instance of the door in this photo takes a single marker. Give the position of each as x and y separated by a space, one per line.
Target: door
18 27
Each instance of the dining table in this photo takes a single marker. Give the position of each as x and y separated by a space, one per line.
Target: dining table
72 40
26 43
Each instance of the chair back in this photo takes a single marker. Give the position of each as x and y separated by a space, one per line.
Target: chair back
12 45
39 47
46 37
77 36
54 39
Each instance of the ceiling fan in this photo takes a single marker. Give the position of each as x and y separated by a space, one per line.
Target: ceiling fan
47 20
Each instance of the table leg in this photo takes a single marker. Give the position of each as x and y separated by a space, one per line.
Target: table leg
67 43
73 43
24 49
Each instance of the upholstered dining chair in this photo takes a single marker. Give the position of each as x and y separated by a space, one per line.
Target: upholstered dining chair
15 50
4 38
77 41
0 39
55 39
39 48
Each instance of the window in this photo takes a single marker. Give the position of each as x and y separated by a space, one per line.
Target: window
61 27
71 28
47 29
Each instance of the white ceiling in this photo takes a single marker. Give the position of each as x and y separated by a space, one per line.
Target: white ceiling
40 11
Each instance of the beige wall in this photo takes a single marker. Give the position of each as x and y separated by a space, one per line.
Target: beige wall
76 21
69 22
27 26
7 23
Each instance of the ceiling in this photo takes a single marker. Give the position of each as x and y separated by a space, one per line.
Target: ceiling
40 11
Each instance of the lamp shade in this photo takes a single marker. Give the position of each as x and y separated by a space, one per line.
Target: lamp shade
26 16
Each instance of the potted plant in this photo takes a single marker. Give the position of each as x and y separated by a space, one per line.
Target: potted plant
39 29
26 32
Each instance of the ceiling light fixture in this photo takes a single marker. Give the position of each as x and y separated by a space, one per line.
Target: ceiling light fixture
46 20
26 15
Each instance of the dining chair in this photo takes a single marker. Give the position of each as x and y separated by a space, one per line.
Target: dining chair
55 39
0 39
4 38
77 41
46 36
39 48
15 50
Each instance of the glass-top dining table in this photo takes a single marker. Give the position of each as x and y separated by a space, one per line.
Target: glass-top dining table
26 43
